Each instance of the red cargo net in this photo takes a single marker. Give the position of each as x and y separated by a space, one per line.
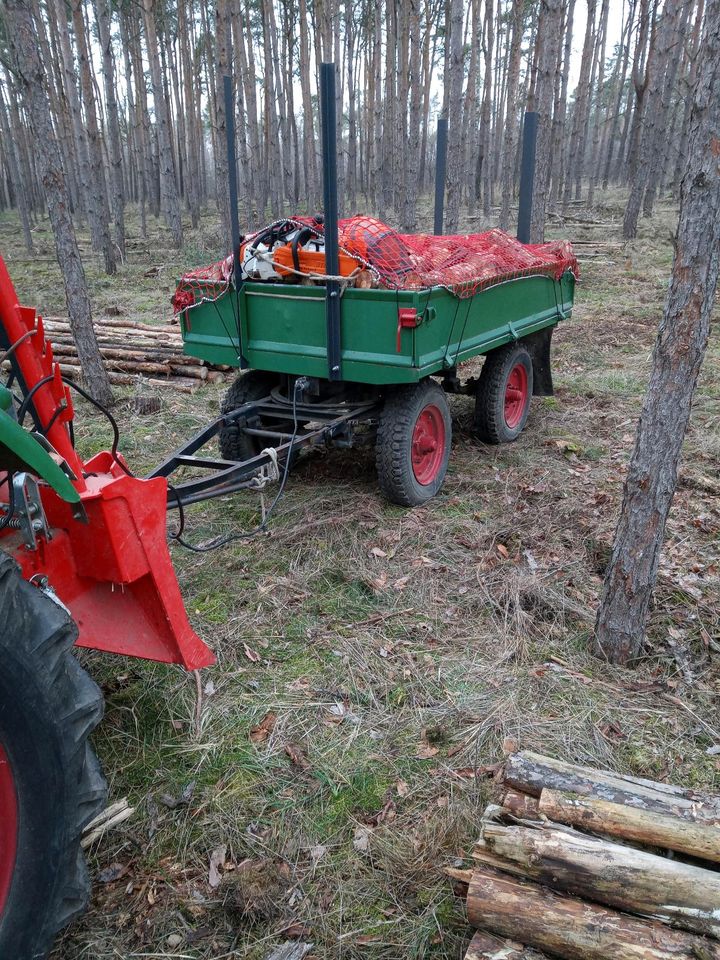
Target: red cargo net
463 263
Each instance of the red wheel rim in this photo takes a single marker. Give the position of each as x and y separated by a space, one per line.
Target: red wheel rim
428 444
516 395
8 827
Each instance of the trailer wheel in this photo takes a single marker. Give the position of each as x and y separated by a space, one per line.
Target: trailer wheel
502 400
413 443
248 386
51 784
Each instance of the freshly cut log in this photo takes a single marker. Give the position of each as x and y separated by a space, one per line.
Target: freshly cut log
521 805
531 773
643 826
484 946
679 893
573 929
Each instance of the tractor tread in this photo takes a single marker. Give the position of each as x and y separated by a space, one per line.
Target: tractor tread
37 640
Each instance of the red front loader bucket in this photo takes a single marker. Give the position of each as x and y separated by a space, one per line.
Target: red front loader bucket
113 570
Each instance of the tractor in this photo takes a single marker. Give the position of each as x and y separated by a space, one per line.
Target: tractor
83 560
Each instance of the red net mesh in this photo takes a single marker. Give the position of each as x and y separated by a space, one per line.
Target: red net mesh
463 263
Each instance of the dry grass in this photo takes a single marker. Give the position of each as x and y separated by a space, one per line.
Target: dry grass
396 675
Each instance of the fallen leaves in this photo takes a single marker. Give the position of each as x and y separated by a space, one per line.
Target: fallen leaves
426 750
251 654
297 756
217 861
361 838
262 731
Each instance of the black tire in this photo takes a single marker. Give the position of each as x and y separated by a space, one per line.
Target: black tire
48 708
248 386
491 420
399 479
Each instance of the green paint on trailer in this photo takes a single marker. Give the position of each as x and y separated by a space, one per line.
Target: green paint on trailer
282 327
19 450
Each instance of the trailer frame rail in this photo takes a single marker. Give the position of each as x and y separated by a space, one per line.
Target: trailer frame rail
316 423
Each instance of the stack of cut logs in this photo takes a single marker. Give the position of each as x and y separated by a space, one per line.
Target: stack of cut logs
585 864
132 349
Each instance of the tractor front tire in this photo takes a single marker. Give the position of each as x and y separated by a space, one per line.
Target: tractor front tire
504 391
234 443
51 784
413 443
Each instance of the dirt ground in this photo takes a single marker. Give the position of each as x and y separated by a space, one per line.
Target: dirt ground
374 662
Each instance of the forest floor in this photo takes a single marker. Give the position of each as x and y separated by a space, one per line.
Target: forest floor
374 662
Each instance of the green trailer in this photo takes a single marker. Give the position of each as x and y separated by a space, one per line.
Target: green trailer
400 353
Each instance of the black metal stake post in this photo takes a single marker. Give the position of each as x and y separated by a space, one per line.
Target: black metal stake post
440 172
527 176
233 195
332 263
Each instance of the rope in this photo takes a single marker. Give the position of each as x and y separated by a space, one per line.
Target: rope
269 472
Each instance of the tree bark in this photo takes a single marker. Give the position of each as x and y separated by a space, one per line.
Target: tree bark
98 208
19 188
169 200
610 873
650 121
576 149
573 929
548 40
618 820
30 76
514 105
103 12
484 946
532 773
454 115
677 359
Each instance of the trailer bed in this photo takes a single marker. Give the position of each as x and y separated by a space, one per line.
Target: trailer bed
282 327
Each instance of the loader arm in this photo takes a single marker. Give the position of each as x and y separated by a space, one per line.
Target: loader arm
94 534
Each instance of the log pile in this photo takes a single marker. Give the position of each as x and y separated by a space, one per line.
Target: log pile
132 349
585 864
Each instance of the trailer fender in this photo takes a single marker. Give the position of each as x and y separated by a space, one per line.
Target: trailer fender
538 346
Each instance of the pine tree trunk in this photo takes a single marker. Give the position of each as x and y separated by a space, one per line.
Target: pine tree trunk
103 12
485 113
169 200
549 39
18 187
309 154
222 43
191 126
613 131
593 172
560 114
454 115
651 122
514 104
576 148
660 154
679 351
22 39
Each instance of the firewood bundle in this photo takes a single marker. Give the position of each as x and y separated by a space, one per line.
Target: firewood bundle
586 864
132 349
